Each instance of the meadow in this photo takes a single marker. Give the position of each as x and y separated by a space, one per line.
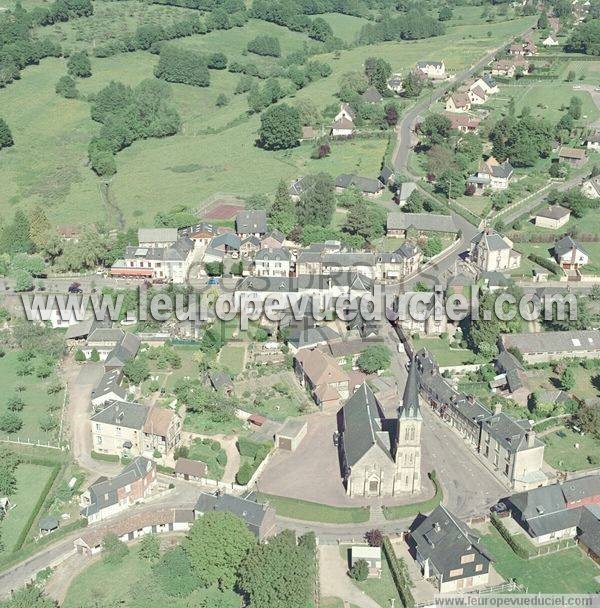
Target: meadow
215 150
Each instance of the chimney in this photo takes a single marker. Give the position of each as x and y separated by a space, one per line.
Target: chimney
497 408
530 436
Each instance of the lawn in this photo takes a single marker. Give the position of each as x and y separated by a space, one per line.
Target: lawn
425 506
314 511
562 454
568 571
35 396
346 27
211 453
31 479
382 589
444 355
232 358
47 165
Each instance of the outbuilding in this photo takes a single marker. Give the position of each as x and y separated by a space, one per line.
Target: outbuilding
291 434
190 470
371 555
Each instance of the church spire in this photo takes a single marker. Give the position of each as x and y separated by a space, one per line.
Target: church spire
410 399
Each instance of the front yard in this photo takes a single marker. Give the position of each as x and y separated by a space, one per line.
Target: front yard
568 571
444 355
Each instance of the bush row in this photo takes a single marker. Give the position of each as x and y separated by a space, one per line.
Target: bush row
507 536
399 573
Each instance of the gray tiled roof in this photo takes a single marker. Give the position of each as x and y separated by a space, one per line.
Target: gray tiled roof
372 95
253 513
229 239
254 221
553 341
177 252
410 398
109 383
567 244
313 335
364 184
508 432
279 254
491 240
554 212
124 414
157 235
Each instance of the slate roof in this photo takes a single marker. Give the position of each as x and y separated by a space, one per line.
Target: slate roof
424 64
106 334
364 184
253 513
157 235
104 492
123 413
312 336
509 433
254 221
407 250
410 399
220 379
428 222
126 349
372 95
81 329
553 341
567 244
177 252
553 212
405 190
229 239
201 228
385 175
279 254
362 426
300 185
491 240
109 383
443 539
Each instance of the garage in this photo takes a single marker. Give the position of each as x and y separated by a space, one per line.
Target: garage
290 435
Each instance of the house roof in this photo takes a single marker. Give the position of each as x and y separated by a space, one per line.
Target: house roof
362 426
157 235
571 153
427 62
554 212
386 174
186 466
81 329
459 120
159 421
123 413
109 383
253 513
509 433
220 379
491 240
254 221
175 252
479 92
443 539
346 107
407 250
406 189
460 100
292 427
106 334
428 222
279 254
127 348
364 184
342 123
201 229
553 341
320 368
372 95
567 244
311 336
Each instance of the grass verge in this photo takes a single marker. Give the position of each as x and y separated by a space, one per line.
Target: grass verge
425 506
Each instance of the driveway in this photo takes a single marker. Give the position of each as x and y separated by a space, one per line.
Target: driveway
336 583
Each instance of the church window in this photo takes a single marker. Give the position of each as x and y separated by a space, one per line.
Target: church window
412 432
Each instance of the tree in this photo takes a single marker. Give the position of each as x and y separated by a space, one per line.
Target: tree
40 229
8 481
136 370
543 23
451 183
317 203
433 246
10 422
282 214
79 356
378 72
215 546
79 65
374 537
575 106
213 269
320 30
114 549
436 129
365 219
95 355
585 38
14 237
182 65
374 358
149 548
587 419
6 138
30 596
15 403
173 573
280 127
222 100
265 45
412 85
279 573
445 13
359 571
567 380
66 87
23 280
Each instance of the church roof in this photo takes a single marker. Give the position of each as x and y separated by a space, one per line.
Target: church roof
410 399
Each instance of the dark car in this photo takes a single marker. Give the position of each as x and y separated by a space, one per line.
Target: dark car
75 288
499 507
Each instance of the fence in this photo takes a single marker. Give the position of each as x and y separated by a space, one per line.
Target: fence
38 443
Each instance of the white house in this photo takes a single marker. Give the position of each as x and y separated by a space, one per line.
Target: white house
432 69
550 41
272 262
487 84
552 217
477 95
570 254
591 187
592 142
491 252
458 102
491 174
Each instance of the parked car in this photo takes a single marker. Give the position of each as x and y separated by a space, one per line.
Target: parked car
214 280
75 287
499 507
336 438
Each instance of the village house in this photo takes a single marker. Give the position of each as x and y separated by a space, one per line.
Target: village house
376 462
273 240
512 379
272 262
163 261
449 552
107 497
552 217
403 261
201 234
395 83
525 49
401 224
572 156
298 187
310 337
126 349
371 188
342 127
326 262
561 511
569 254
386 177
157 237
415 314
458 102
260 518
190 470
509 67
251 223
434 70
463 122
108 389
370 555
491 174
403 192
591 187
114 342
327 382
372 96
541 347
223 245
592 141
491 252
249 247
550 40
477 95
125 428
486 83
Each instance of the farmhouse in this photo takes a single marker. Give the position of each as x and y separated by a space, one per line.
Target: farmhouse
491 174
592 141
400 224
327 382
251 223
554 345
432 69
449 552
591 187
572 156
492 252
463 122
107 497
458 102
371 188
552 217
376 462
342 127
125 428
259 518
108 389
272 262
569 254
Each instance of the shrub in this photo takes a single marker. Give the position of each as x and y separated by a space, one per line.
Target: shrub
15 403
244 475
79 356
507 536
360 571
10 422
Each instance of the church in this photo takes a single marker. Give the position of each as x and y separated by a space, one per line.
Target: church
380 458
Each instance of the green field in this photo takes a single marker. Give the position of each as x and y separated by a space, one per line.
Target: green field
562 454
443 354
314 511
411 510
232 358
568 571
31 479
48 164
35 396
